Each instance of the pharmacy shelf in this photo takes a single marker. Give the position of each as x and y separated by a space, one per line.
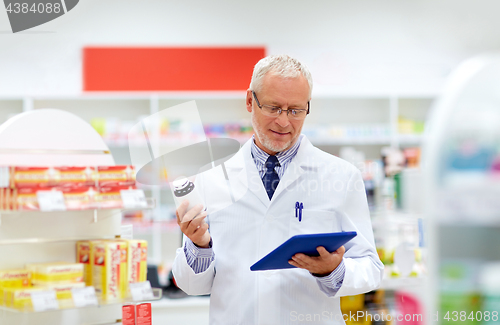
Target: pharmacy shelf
173 141
469 201
97 213
226 107
157 295
493 221
326 141
54 129
323 141
149 226
150 204
182 302
401 283
461 191
48 240
410 139
403 139
407 139
229 106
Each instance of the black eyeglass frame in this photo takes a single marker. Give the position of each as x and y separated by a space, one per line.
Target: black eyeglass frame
282 110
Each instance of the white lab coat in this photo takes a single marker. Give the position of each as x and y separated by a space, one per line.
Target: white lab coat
334 199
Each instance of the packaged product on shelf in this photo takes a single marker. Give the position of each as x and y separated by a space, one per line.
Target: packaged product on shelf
13 279
11 194
232 129
20 298
111 176
137 260
412 156
63 292
26 199
70 176
143 314
5 199
55 273
75 198
352 303
110 197
21 177
83 256
74 176
78 198
458 286
128 315
51 176
109 272
134 216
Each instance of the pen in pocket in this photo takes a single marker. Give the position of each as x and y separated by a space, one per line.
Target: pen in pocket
298 210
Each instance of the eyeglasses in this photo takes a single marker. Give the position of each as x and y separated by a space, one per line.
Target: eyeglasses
275 111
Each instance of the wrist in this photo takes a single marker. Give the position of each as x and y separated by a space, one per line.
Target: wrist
326 272
204 244
321 275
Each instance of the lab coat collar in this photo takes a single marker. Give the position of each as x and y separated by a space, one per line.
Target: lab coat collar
302 162
243 173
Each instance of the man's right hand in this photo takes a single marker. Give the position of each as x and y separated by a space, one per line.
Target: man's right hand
192 224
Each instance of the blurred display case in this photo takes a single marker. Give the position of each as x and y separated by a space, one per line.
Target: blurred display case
462 187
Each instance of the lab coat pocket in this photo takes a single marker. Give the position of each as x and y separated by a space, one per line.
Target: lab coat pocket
314 222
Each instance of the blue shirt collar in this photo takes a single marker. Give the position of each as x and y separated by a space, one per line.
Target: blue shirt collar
284 157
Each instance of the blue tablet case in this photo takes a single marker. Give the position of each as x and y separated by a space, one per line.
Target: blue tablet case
306 244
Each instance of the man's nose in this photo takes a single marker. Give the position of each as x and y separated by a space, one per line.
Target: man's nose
282 119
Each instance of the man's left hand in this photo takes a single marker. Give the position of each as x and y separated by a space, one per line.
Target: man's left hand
321 265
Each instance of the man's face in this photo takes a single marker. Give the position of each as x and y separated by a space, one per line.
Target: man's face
275 134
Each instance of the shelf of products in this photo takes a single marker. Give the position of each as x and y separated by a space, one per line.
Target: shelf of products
367 123
401 283
358 119
67 304
462 187
97 214
382 307
54 233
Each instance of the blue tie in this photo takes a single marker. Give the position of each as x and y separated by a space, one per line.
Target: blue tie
271 178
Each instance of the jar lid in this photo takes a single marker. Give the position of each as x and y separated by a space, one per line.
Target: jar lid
180 183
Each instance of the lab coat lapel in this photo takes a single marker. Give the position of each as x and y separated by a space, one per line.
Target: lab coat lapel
296 169
243 175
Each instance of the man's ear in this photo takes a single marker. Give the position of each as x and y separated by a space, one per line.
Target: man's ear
249 101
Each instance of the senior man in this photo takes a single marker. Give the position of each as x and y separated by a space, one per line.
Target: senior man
273 171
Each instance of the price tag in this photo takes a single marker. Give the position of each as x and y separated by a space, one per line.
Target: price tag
44 300
83 297
51 200
127 232
133 199
4 177
141 291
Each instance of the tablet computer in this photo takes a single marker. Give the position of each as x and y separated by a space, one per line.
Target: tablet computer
306 244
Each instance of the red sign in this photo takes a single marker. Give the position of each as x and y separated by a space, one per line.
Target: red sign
169 68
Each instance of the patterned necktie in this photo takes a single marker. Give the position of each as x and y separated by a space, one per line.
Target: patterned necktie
271 178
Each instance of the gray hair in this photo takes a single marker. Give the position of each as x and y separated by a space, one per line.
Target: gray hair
281 65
